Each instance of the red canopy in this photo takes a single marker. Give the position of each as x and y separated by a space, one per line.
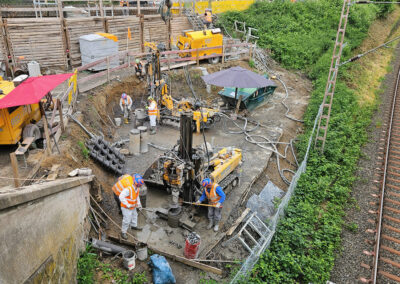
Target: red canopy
32 90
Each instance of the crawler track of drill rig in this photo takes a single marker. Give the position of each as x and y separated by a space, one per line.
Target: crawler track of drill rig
180 170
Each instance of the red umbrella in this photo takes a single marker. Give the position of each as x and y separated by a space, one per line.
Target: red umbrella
32 90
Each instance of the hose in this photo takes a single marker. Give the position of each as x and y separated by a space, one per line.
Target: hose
251 138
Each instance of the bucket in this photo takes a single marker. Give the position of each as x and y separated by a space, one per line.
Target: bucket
142 252
192 245
140 114
117 121
129 259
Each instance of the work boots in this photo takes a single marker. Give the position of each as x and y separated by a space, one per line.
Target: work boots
124 236
152 130
216 227
137 228
210 224
126 121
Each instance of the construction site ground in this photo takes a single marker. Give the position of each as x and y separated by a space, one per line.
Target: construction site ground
99 106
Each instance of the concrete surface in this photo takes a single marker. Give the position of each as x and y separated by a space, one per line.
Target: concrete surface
42 228
255 159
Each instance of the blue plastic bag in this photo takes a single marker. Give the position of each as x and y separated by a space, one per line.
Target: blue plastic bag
162 273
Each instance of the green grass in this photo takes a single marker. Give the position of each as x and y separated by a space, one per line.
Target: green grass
89 265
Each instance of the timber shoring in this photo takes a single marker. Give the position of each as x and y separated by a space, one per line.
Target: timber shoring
54 42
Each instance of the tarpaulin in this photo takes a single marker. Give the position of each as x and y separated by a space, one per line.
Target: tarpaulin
32 90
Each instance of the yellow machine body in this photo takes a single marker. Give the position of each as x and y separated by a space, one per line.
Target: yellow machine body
225 162
200 39
14 119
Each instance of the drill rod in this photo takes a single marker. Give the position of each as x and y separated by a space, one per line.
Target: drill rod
199 204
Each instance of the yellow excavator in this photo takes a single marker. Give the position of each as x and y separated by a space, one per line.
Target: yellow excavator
170 108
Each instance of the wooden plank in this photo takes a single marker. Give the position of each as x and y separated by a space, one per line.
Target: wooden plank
40 40
53 172
47 136
238 221
60 113
14 164
181 259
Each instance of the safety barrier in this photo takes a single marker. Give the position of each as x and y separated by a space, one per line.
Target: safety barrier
167 57
256 252
216 6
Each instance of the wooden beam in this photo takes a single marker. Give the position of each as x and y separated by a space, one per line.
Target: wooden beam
237 222
47 135
101 8
14 164
141 33
60 112
181 259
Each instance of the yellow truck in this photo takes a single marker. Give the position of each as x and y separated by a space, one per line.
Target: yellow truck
17 122
200 39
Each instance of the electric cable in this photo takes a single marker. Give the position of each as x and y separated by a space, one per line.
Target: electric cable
358 56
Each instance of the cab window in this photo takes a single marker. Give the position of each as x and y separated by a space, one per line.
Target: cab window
12 109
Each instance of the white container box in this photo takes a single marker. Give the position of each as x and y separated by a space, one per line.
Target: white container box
34 69
95 47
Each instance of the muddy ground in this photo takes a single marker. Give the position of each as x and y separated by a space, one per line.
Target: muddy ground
254 172
97 109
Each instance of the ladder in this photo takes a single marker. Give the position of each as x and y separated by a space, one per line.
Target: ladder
194 20
39 4
256 233
323 121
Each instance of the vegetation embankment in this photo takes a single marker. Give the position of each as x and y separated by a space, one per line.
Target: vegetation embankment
301 36
92 270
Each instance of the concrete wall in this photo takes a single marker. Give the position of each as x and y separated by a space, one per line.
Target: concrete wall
42 229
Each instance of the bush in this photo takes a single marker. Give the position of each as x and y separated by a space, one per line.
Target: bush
301 36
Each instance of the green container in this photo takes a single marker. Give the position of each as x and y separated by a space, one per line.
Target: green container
251 97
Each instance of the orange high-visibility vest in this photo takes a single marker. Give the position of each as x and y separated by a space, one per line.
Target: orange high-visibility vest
123 182
123 3
128 101
212 196
132 199
155 110
208 17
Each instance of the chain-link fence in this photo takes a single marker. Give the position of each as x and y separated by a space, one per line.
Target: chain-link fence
258 250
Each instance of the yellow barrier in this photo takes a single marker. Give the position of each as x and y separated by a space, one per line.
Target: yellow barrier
216 6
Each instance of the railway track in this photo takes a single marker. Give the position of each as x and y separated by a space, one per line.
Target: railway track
385 266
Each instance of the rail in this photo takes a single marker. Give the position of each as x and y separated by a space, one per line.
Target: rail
386 165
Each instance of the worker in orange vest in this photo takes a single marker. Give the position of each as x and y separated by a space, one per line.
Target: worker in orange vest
207 18
125 103
123 182
153 114
130 200
216 196
124 3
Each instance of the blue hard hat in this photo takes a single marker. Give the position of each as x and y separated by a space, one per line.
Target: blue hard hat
206 182
138 180
124 96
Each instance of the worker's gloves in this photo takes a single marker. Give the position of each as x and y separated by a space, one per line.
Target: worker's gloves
218 205
197 202
147 107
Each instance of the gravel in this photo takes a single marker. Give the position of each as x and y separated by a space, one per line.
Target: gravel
347 267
